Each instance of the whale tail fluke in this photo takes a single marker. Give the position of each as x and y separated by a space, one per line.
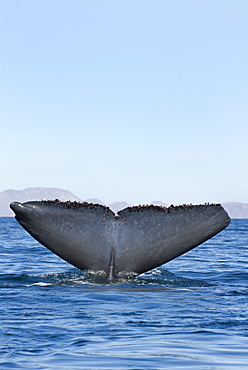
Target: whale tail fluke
137 239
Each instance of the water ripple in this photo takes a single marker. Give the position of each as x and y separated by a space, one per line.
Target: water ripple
190 313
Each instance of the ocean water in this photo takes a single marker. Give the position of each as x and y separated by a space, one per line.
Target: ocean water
191 313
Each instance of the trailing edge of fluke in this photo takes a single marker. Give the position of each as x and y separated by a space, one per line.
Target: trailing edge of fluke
137 239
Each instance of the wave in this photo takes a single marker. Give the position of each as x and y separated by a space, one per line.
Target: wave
157 277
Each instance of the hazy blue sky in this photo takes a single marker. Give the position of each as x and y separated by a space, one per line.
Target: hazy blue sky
129 100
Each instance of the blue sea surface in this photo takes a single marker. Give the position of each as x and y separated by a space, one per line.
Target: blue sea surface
191 313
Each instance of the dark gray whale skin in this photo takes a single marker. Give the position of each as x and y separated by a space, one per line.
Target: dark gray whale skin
137 239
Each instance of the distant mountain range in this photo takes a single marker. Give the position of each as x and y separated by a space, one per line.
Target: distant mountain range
8 196
234 209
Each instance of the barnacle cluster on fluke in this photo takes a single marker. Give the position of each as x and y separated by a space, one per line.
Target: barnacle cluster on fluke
74 204
156 208
139 208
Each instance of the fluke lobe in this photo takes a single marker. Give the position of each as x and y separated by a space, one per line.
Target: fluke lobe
137 239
